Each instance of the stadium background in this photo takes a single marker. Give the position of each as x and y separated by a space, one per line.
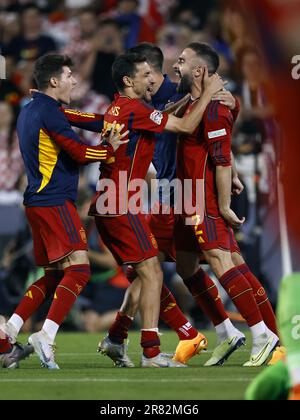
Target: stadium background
93 33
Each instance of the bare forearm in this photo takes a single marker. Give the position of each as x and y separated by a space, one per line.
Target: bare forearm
224 182
191 121
175 107
233 167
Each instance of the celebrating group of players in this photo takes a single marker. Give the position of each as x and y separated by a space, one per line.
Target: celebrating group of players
185 131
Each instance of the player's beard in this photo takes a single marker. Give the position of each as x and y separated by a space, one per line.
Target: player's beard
185 84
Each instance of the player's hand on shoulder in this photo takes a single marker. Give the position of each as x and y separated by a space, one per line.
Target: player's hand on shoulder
212 84
115 138
231 218
225 98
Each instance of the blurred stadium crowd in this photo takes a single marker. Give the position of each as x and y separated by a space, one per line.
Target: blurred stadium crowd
93 33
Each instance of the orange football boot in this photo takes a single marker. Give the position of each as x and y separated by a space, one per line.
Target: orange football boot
295 393
278 354
186 349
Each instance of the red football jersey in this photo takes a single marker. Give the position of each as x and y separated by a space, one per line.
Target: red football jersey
132 159
209 146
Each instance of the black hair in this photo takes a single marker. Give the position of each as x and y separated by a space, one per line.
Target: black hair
47 66
125 65
29 6
208 54
153 53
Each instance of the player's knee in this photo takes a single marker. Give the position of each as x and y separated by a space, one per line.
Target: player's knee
237 259
48 283
80 273
150 271
219 261
185 270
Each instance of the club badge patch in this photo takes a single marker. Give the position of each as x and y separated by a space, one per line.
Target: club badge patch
156 117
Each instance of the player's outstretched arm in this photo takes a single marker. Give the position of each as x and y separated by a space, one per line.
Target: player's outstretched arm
175 108
83 120
59 130
189 123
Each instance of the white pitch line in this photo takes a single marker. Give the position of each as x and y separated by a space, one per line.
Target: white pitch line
127 380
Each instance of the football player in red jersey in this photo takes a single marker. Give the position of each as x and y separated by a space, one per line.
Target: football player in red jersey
52 152
206 155
126 234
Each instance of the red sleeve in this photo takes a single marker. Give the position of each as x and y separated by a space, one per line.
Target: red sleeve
83 120
145 117
235 112
217 130
59 129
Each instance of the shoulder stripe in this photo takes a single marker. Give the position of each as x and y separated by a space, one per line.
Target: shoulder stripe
79 114
213 111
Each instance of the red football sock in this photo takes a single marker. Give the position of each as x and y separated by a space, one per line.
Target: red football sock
261 298
5 345
206 295
66 293
38 292
150 342
118 332
171 314
241 293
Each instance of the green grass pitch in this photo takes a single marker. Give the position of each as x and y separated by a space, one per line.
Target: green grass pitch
85 374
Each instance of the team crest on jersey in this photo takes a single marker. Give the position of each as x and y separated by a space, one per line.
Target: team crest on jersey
261 291
83 235
153 240
156 117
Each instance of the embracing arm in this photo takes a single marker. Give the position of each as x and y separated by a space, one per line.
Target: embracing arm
84 120
189 123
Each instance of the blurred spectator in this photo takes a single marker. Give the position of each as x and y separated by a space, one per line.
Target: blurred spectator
11 166
10 27
235 29
136 28
81 45
31 43
106 46
253 85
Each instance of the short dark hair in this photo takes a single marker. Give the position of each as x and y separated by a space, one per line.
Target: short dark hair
125 65
47 66
29 6
207 53
152 52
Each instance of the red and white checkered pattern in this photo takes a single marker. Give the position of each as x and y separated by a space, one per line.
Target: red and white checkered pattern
11 164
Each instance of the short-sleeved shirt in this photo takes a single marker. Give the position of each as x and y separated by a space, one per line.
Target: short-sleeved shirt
209 146
132 159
